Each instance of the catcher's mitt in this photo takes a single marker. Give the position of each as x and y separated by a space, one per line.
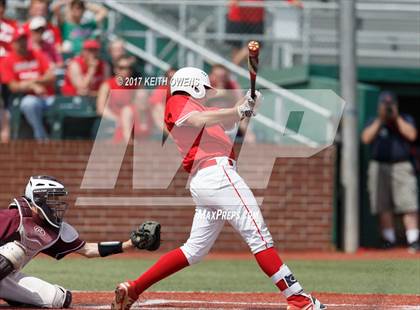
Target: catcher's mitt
147 236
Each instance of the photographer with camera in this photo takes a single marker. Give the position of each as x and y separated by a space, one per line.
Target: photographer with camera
392 182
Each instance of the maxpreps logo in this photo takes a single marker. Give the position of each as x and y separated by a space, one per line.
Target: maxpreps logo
39 230
224 215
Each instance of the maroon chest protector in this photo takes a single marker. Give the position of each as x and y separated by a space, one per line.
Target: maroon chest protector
36 234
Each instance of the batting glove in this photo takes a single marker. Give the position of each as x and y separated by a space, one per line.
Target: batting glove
258 97
246 109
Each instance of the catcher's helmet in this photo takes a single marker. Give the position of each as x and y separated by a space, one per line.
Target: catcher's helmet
191 80
44 193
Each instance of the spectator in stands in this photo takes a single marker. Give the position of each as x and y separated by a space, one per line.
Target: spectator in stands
37 27
75 30
228 93
116 49
52 34
119 101
392 183
296 3
243 20
29 73
246 20
158 98
85 72
7 30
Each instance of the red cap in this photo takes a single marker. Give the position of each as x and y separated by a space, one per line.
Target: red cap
20 32
91 44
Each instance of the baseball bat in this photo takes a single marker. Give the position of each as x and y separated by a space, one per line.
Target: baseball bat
253 54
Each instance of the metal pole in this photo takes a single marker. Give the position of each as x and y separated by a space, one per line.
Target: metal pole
182 26
350 136
306 35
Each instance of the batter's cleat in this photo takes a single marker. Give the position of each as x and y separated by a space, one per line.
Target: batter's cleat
309 303
125 296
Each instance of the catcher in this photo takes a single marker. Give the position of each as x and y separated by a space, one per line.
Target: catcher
34 224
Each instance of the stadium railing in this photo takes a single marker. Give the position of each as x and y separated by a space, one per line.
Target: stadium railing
387 30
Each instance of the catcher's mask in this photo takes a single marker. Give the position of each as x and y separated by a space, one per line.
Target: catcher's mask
46 194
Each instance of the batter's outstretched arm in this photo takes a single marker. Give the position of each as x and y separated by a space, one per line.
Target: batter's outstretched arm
242 109
210 118
102 249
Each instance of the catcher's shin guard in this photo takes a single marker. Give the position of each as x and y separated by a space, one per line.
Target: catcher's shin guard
125 296
311 304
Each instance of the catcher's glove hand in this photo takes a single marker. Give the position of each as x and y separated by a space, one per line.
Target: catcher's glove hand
147 236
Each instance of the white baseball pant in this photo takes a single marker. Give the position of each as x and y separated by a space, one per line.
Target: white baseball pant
222 195
24 289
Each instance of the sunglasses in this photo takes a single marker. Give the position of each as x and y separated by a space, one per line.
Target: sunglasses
42 29
124 67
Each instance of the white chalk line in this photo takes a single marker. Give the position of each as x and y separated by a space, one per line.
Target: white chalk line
157 302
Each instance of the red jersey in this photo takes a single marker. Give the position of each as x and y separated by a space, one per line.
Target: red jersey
49 50
29 67
68 88
52 33
7 30
246 14
195 144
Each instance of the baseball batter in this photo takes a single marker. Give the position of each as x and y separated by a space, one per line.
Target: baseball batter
216 188
34 224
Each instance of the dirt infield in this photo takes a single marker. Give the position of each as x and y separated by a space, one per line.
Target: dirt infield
199 300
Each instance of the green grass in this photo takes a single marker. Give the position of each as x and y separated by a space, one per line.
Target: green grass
385 276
